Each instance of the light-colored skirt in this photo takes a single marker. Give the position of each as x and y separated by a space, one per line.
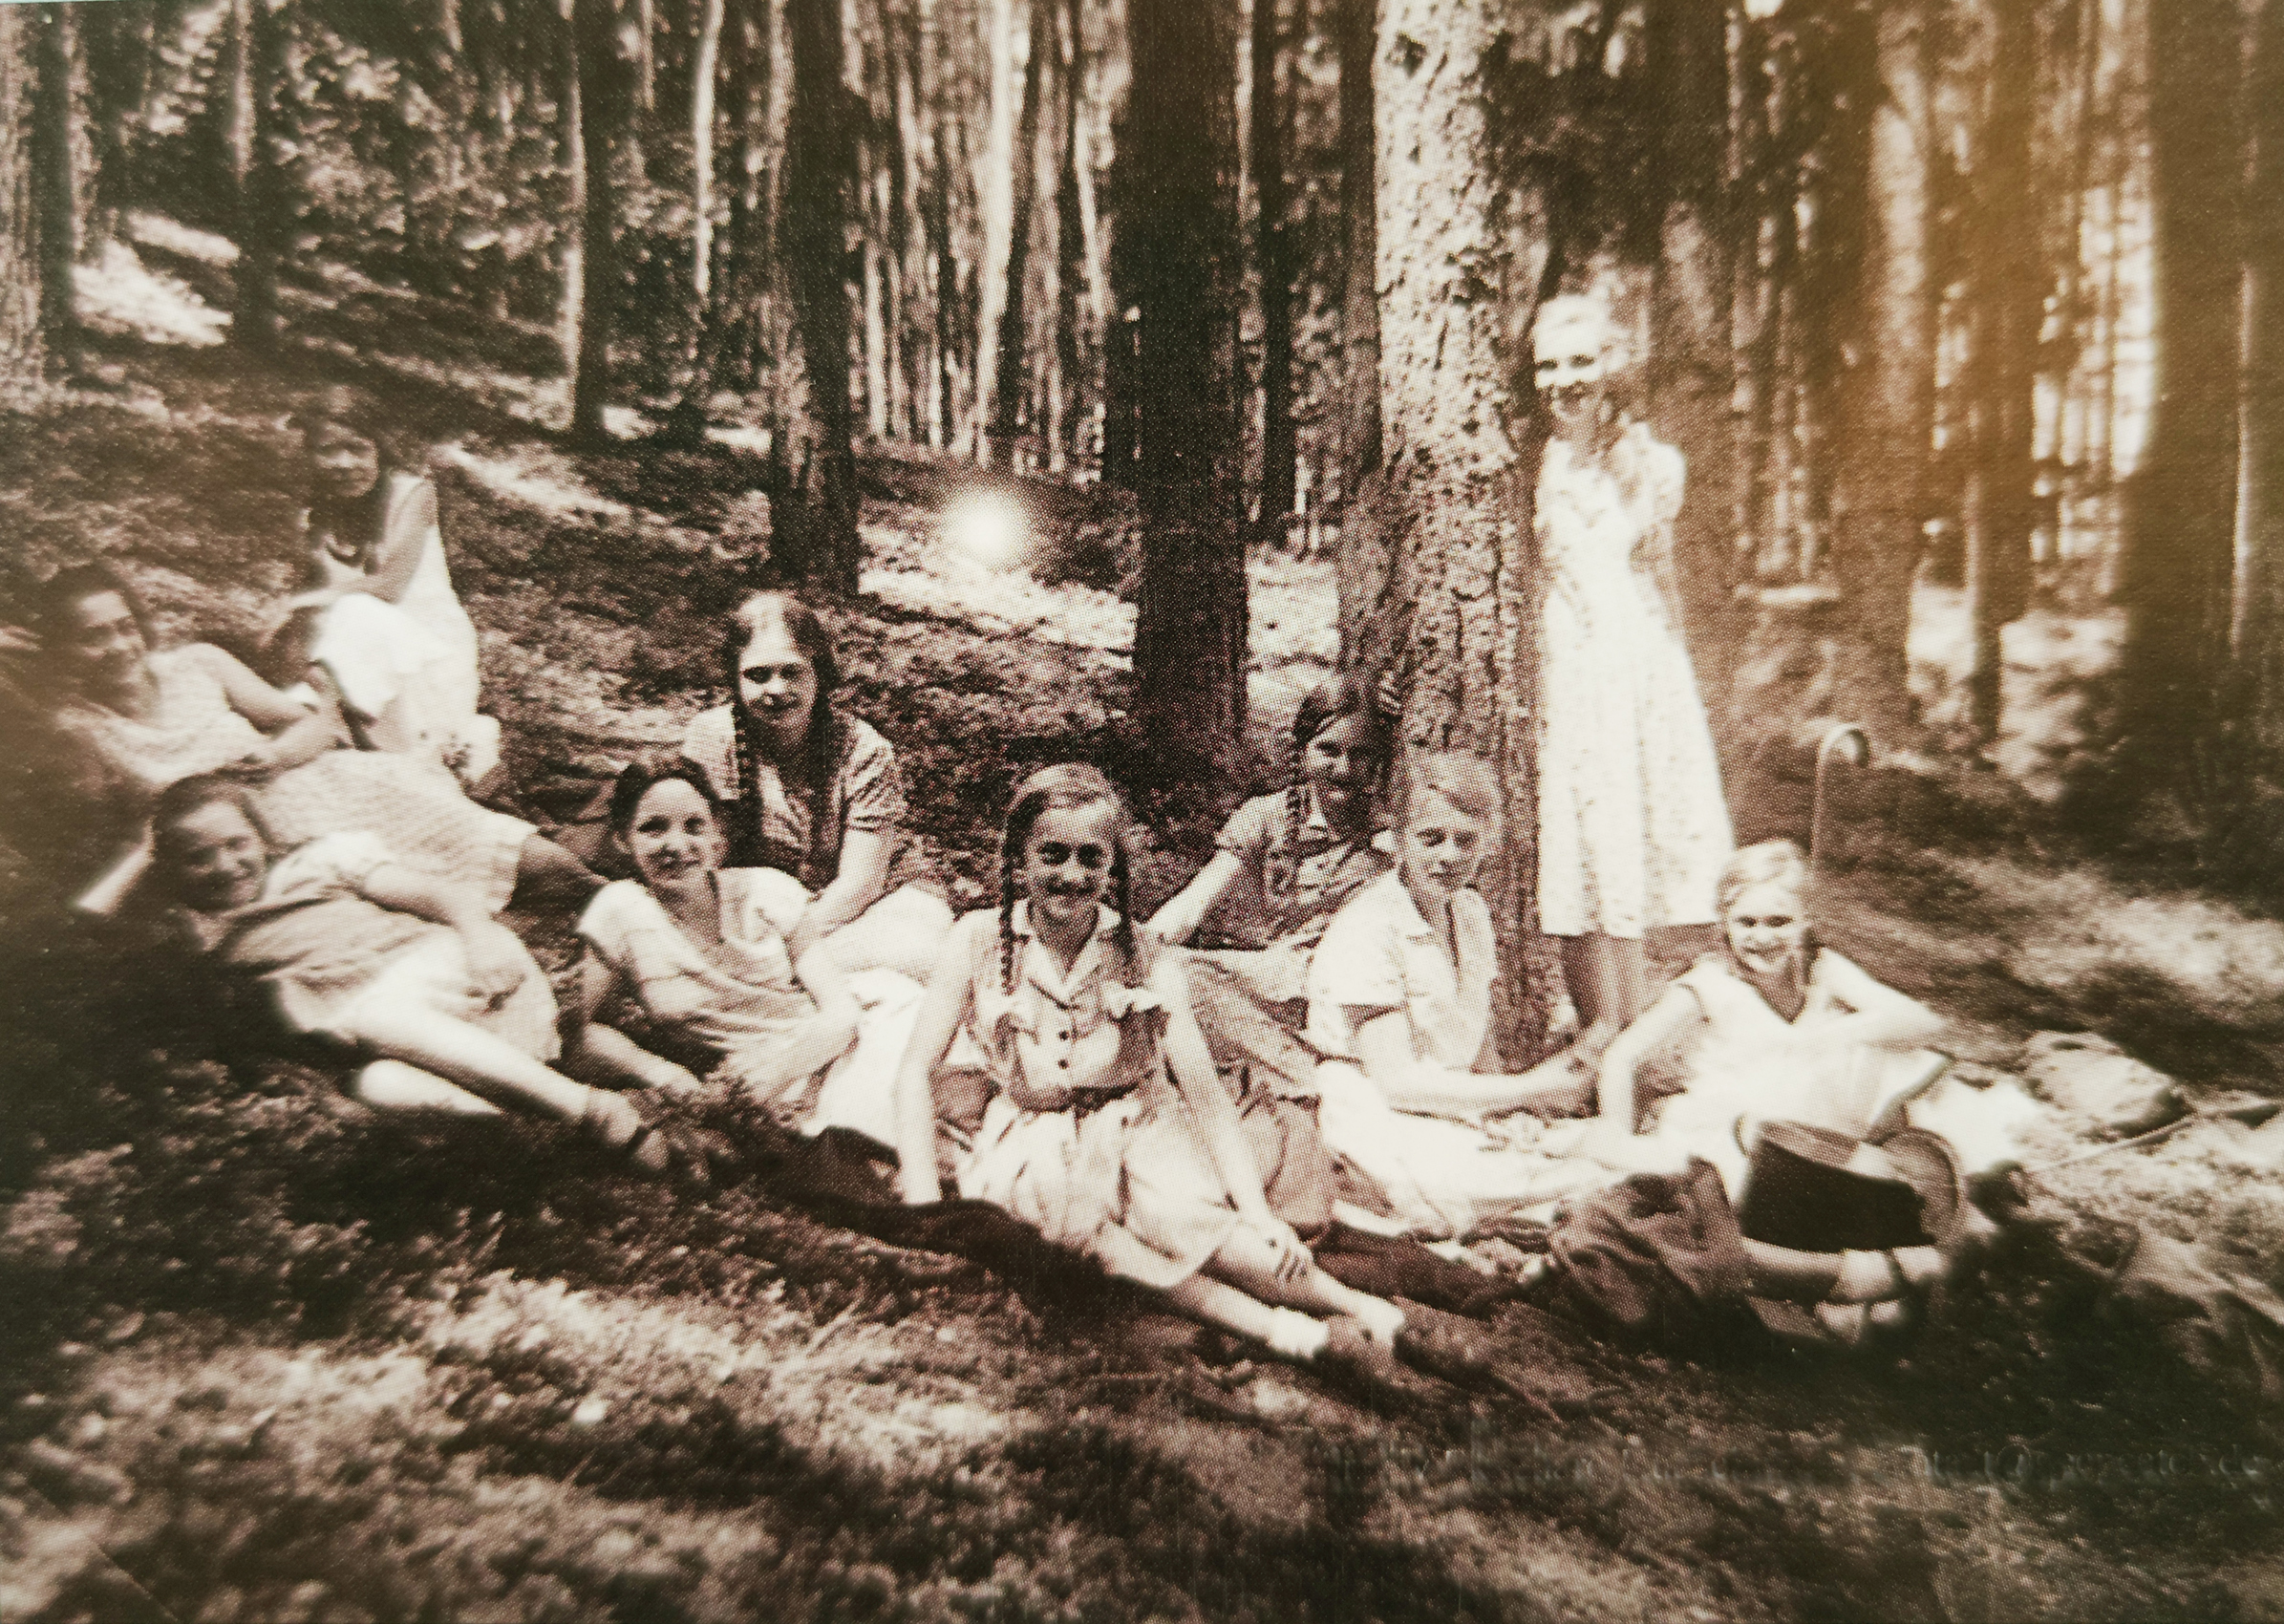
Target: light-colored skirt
415 807
1129 1184
1442 1176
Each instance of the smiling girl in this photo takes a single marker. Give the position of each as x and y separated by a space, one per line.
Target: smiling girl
700 953
1778 1026
815 793
1399 1002
1106 1129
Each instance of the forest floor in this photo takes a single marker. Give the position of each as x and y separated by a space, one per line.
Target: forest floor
267 1358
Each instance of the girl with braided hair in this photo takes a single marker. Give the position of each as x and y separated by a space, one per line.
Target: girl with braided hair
1285 864
1106 1129
815 793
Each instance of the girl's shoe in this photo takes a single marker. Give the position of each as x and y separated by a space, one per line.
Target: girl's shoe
1350 1346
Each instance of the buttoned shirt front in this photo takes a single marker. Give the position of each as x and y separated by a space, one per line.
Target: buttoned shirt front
1059 1032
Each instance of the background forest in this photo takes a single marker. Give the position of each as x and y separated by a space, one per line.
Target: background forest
1115 367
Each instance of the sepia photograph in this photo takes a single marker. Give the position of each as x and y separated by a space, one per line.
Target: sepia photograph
1108 811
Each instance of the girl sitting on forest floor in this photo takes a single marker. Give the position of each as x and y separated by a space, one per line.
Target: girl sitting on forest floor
1106 1129
1776 1027
443 1005
1283 863
700 952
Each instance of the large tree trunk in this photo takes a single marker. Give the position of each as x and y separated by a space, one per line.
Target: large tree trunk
2259 630
1448 604
20 349
2180 537
814 527
2007 311
1689 361
56 187
1179 226
1273 260
1877 342
602 116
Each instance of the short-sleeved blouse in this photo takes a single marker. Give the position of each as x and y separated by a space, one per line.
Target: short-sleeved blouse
724 994
865 794
1292 879
1380 955
312 936
1059 1034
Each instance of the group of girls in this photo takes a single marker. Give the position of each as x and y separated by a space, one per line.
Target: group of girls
1305 1028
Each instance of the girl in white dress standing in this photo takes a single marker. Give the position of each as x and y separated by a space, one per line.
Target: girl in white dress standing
1632 826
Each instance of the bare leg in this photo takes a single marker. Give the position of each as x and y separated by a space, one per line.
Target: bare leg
1586 972
1629 977
400 1089
489 1067
1246 1262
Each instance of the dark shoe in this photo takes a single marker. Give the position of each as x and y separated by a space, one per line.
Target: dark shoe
1355 1351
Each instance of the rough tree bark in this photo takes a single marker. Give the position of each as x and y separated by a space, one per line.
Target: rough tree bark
2180 532
20 349
1441 590
55 186
814 525
1273 260
604 110
2009 309
1179 228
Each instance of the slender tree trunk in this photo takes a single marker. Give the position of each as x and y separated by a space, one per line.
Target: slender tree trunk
815 524
56 187
1274 259
1453 610
2181 529
603 113
686 423
571 301
2007 311
1884 393
2259 630
1689 361
1356 24
1011 338
1067 395
21 353
996 187
256 66
1180 223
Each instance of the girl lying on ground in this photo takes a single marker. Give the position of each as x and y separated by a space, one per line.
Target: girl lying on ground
442 1004
1401 995
376 613
150 716
1285 864
1108 1128
700 952
815 793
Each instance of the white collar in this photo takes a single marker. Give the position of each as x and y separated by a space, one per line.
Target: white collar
1041 967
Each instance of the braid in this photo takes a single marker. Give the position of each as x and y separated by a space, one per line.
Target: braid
1297 793
1007 920
745 832
1122 934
